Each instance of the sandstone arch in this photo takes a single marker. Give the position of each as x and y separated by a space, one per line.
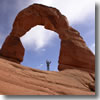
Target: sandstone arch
73 52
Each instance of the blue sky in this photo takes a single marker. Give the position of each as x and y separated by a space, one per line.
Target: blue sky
41 44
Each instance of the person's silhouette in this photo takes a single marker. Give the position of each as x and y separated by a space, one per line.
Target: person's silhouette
48 64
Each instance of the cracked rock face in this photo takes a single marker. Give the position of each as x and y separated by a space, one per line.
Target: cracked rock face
73 52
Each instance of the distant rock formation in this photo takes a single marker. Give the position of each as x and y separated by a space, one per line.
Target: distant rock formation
73 52
16 79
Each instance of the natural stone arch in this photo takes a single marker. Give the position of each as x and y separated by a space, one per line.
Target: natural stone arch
37 14
73 52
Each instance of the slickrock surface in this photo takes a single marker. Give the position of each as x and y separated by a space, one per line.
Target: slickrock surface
16 79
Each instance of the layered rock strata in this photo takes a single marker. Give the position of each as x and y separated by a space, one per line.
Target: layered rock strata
16 79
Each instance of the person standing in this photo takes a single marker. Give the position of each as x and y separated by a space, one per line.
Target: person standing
48 65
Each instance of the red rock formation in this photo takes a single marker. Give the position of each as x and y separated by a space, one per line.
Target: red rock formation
16 79
12 49
73 52
37 14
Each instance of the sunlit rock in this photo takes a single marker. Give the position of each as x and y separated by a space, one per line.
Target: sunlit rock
73 52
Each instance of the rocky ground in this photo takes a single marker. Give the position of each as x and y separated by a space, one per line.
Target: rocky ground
16 79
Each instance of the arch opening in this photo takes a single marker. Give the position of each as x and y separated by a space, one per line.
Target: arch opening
74 52
40 45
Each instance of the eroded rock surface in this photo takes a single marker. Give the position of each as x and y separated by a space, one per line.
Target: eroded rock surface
73 52
13 49
16 79
37 14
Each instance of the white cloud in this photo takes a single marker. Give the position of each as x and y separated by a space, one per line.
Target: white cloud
45 2
92 47
77 10
37 38
2 97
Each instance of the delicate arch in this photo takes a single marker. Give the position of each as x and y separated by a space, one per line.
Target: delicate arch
73 52
37 14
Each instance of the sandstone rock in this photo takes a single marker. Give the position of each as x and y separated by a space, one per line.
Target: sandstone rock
74 56
73 52
12 49
16 79
38 14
